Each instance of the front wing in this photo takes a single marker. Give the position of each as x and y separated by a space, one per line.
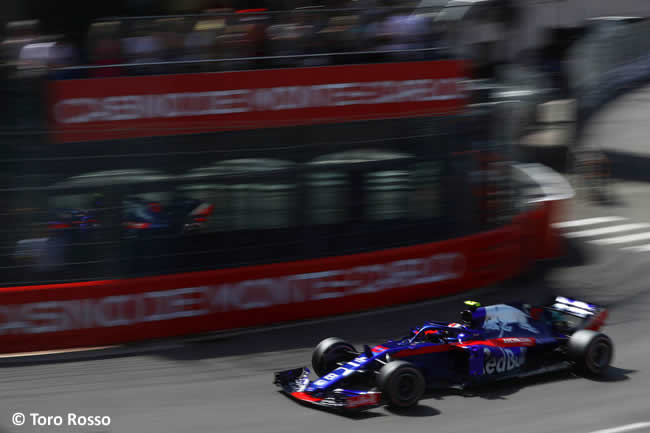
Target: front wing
294 382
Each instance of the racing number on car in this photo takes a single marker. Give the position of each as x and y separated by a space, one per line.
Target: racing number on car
339 372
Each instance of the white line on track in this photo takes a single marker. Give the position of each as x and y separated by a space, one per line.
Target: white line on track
639 248
606 230
623 239
587 221
625 428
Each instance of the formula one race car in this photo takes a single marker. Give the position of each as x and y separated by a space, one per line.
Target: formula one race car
491 343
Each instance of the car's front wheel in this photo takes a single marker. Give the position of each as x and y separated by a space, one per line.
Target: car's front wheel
401 384
330 353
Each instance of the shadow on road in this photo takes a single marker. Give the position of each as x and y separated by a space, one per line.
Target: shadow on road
505 389
355 415
419 411
615 374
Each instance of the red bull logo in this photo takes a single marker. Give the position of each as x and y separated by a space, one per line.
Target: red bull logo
511 359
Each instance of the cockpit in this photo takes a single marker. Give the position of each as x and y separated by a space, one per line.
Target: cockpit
441 333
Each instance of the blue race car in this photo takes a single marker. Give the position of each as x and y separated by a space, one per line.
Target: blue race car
491 343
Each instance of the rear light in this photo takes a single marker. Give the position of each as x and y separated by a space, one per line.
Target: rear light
251 11
137 226
56 226
203 210
201 213
155 207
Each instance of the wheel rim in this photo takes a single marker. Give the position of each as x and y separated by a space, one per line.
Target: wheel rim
599 356
332 357
406 387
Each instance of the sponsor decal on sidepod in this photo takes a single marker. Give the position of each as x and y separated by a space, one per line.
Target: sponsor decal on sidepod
511 359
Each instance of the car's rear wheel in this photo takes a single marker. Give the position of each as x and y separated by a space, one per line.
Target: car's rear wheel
401 384
329 353
591 351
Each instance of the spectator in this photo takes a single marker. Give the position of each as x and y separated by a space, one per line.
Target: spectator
172 34
201 43
19 34
403 33
107 53
341 34
34 58
209 43
259 21
285 42
63 55
105 50
237 43
374 36
144 47
28 54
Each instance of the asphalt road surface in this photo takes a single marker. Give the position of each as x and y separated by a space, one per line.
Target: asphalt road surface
225 385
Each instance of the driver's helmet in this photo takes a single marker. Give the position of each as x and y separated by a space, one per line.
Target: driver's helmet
467 316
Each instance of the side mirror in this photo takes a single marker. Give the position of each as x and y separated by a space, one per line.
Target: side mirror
367 351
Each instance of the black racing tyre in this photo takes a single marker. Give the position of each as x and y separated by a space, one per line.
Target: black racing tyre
401 384
591 351
329 353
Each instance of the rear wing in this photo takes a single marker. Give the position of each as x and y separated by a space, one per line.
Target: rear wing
593 315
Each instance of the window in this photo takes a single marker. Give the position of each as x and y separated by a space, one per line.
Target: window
218 215
271 205
244 194
425 198
372 185
387 195
262 204
92 218
327 193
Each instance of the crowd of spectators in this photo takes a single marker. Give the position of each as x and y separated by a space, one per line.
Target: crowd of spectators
223 39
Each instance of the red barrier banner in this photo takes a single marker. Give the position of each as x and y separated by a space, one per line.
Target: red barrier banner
143 106
35 318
